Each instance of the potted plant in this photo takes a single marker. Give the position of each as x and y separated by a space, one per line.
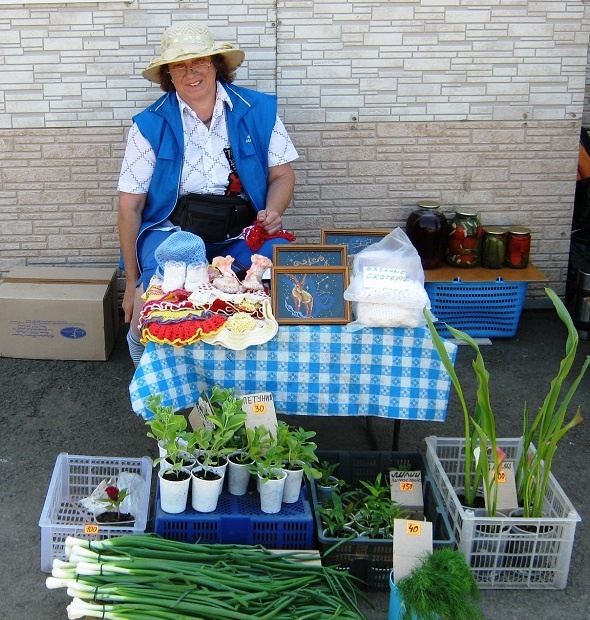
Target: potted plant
215 444
167 427
441 587
336 518
299 454
548 427
364 511
376 511
175 445
112 513
255 442
482 456
326 483
267 466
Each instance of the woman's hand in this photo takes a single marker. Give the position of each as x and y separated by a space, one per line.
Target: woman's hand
271 221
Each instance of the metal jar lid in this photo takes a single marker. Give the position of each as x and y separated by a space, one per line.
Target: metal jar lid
519 230
495 230
428 204
466 213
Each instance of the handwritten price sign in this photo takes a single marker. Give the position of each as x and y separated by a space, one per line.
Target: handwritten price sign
406 485
414 528
259 408
91 529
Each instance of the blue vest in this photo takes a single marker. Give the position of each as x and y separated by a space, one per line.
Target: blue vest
249 124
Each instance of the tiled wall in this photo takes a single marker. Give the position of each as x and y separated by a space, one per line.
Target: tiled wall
473 103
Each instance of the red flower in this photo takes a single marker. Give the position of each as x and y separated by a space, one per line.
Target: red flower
112 493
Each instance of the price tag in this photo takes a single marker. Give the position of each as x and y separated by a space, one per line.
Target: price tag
406 489
199 415
414 528
506 500
258 408
260 411
91 528
411 540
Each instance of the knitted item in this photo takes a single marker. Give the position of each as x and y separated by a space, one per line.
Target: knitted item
387 315
182 247
136 349
255 236
183 333
196 274
174 276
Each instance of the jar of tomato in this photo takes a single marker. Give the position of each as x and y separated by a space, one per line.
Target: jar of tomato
518 247
464 243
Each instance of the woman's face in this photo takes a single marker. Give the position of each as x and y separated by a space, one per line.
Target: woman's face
194 80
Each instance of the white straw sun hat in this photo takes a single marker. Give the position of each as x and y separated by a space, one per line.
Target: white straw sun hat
187 40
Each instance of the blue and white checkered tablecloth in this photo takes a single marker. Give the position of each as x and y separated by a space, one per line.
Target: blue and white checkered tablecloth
310 370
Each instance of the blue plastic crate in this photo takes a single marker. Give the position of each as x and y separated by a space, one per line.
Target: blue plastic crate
481 309
239 520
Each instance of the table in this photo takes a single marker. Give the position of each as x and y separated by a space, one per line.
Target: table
448 273
310 370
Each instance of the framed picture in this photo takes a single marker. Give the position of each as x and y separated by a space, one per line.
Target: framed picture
354 240
308 295
302 255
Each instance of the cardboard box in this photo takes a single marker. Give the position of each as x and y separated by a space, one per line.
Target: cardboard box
66 313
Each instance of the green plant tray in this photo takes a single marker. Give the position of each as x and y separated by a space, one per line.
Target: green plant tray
366 559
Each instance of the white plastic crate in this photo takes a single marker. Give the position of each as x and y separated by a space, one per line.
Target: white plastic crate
74 478
500 553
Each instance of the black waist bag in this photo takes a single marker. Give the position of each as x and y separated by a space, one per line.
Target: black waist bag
213 218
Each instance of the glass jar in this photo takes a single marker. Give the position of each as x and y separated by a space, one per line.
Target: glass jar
464 241
518 247
427 229
493 247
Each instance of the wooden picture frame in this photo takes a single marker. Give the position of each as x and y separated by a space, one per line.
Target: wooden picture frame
355 240
310 295
309 255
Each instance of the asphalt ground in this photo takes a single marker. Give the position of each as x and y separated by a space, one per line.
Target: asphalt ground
83 408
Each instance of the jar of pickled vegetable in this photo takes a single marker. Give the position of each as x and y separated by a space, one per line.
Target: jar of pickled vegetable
464 242
518 247
427 229
493 247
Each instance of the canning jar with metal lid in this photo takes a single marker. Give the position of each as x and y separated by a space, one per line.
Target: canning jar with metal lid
493 247
426 228
518 247
464 242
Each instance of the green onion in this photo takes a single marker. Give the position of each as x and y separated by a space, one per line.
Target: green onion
145 577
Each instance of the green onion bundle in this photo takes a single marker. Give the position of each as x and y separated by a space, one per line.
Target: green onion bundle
145 577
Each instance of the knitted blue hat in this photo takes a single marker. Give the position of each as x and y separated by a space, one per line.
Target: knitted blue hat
181 247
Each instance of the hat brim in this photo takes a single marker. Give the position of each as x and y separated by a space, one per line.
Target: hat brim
234 57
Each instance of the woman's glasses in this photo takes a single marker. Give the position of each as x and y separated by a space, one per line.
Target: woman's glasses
182 70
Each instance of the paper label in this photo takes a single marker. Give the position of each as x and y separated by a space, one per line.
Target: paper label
411 540
91 529
260 411
406 490
507 498
382 277
199 415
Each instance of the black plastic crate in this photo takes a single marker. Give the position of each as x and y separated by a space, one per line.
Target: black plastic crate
371 560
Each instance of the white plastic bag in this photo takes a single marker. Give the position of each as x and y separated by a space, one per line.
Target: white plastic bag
387 285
